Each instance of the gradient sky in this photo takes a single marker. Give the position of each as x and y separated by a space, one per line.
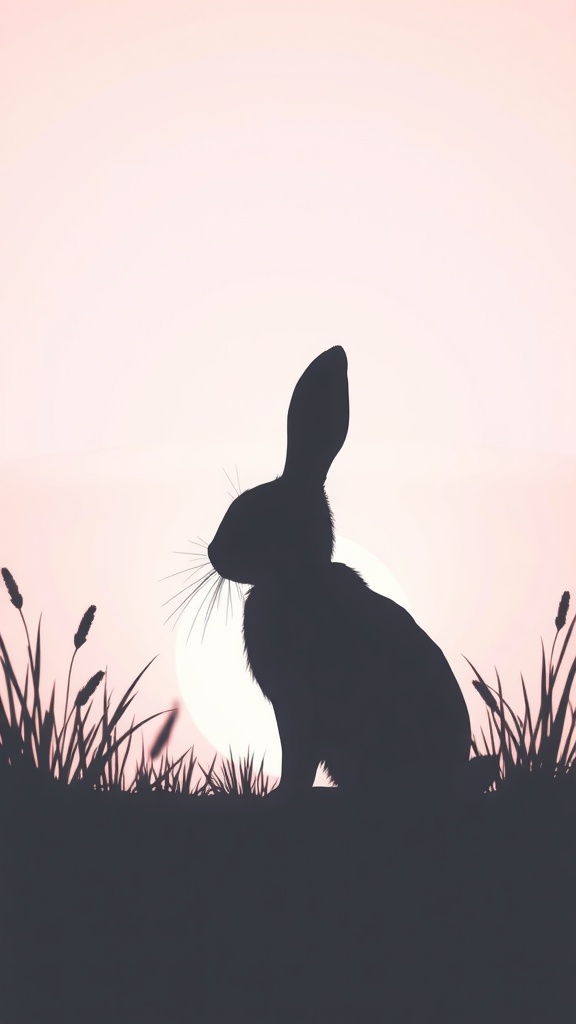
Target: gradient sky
199 197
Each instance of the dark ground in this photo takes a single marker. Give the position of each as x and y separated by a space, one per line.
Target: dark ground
174 909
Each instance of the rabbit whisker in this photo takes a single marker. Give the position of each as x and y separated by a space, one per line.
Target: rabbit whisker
194 557
213 603
237 489
198 586
196 583
186 602
181 612
195 544
228 478
210 589
180 571
218 595
191 554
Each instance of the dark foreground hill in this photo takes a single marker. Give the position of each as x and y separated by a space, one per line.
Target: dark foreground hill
124 908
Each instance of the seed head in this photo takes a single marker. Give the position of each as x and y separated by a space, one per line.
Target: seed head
84 627
562 610
15 595
86 692
486 694
164 734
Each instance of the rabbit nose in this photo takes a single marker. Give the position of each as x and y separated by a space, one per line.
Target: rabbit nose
213 556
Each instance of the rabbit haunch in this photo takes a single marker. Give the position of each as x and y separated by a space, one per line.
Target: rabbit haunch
353 680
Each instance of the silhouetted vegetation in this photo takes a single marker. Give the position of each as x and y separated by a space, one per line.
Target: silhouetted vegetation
171 897
32 746
537 745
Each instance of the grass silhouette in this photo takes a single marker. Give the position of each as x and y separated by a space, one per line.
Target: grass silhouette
32 747
534 748
175 898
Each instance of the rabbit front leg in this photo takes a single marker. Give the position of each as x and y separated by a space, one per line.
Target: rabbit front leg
296 726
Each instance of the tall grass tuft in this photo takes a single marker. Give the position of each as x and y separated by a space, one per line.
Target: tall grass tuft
32 744
167 777
533 747
236 780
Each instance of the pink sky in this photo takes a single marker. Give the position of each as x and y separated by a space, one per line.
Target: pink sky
200 197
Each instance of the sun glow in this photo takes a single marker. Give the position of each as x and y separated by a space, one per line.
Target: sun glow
225 702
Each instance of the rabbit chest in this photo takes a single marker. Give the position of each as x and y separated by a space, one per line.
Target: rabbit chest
294 642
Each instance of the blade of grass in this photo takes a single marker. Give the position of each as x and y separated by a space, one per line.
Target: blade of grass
81 746
26 726
123 704
31 735
35 667
564 646
114 767
550 754
98 760
168 768
127 751
11 737
57 757
527 715
504 704
570 759
563 760
24 706
69 758
46 733
11 684
542 711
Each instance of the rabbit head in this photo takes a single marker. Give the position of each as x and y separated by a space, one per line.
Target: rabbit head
274 530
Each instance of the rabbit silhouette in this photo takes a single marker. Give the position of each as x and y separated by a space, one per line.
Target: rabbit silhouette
355 683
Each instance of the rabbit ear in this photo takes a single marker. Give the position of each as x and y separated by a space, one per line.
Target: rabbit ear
318 417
